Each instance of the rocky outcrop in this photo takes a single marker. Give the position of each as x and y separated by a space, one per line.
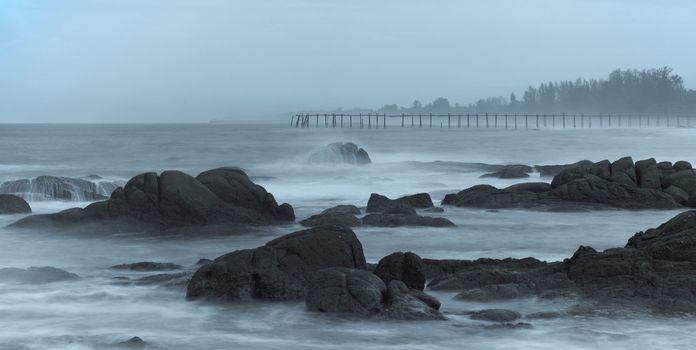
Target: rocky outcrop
35 275
279 270
553 170
90 188
656 270
351 291
11 204
401 212
621 184
174 199
147 266
341 215
400 220
511 172
340 153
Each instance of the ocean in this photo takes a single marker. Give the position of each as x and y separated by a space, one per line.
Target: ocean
97 311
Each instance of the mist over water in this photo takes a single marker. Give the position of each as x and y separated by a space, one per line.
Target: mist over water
97 310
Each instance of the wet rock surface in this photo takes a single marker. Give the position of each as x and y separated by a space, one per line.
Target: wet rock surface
341 215
621 184
405 267
340 153
385 212
174 199
11 204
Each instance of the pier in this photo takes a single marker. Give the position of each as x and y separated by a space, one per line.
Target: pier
492 121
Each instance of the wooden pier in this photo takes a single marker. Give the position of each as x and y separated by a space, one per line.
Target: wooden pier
492 121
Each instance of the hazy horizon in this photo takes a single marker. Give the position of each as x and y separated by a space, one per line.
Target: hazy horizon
183 61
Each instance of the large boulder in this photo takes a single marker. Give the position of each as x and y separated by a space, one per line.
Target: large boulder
405 267
623 171
341 215
340 153
11 204
279 270
90 188
175 199
648 174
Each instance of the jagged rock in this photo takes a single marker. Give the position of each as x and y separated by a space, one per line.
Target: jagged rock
496 315
405 267
147 266
340 153
379 204
35 275
397 220
601 169
553 170
623 171
174 199
279 270
90 188
11 204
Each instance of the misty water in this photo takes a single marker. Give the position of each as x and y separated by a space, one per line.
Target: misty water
98 310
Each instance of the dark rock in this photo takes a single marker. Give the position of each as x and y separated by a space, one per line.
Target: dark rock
495 292
203 261
553 170
340 153
509 326
380 204
665 168
496 315
279 270
677 194
543 315
434 210
601 169
682 165
674 240
684 180
174 199
403 303
647 174
134 342
623 171
90 188
35 275
406 267
180 279
339 219
510 172
344 290
147 266
11 204
343 209
397 220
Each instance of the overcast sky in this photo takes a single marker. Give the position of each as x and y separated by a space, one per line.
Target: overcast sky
191 61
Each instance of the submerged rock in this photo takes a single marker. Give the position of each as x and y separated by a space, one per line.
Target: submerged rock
340 153
147 266
496 315
279 270
35 275
90 188
11 204
134 342
399 220
511 172
379 204
174 199
342 215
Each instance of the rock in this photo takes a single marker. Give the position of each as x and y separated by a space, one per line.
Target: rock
398 220
682 165
497 292
343 290
11 204
403 303
343 209
674 240
134 342
509 326
601 169
147 266
553 170
677 194
180 279
496 315
684 180
647 174
340 153
510 172
203 261
174 199
279 270
332 218
434 210
665 168
90 188
405 267
543 315
379 204
623 171
35 275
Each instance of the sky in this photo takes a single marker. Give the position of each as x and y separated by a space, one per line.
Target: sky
110 61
